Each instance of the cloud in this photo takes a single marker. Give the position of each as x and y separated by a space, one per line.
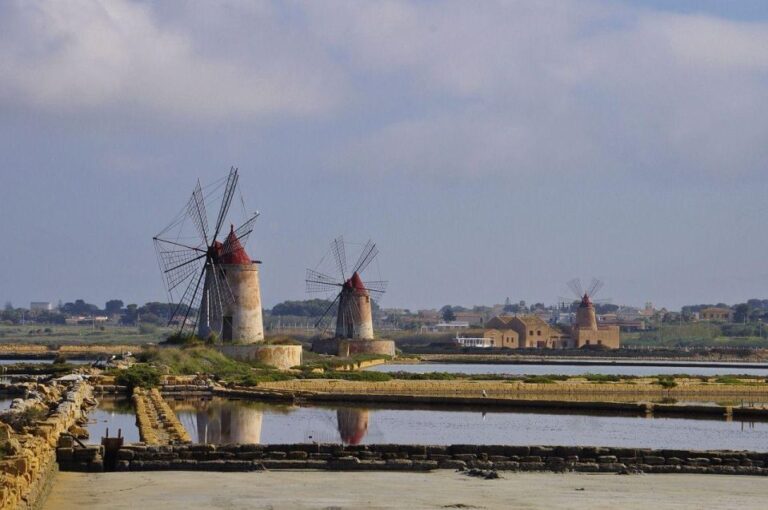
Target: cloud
72 56
557 87
487 88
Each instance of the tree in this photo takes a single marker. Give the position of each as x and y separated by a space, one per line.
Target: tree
741 312
113 306
8 306
447 313
306 308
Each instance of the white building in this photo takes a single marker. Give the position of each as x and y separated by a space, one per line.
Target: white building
40 306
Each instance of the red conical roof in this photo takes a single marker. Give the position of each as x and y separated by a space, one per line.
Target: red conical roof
356 282
232 252
585 301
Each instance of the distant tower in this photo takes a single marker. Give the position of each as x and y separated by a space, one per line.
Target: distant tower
585 315
354 319
243 321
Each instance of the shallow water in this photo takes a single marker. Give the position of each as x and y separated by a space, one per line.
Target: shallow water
42 361
112 413
564 369
219 420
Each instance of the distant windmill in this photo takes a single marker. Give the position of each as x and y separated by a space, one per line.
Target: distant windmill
214 285
585 315
352 302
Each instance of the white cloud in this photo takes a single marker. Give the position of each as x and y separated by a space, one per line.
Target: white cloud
488 88
70 56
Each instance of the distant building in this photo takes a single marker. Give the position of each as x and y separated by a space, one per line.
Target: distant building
40 306
451 325
525 332
477 342
472 318
586 332
716 314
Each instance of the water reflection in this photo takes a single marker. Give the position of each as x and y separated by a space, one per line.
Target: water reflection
352 424
113 413
221 421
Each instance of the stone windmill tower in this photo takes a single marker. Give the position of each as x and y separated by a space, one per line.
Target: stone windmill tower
585 314
351 304
214 284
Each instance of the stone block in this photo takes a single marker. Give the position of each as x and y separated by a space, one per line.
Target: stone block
607 459
506 466
653 460
125 454
586 467
452 464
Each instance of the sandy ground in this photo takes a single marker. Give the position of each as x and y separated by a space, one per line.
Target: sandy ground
441 489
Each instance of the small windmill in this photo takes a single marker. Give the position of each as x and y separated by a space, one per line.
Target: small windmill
212 284
352 301
585 314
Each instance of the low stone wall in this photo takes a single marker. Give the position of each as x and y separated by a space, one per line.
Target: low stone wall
248 457
156 420
355 346
641 388
29 454
281 357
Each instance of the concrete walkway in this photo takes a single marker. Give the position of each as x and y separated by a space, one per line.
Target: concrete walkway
441 489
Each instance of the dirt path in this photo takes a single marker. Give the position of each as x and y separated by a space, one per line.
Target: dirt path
380 490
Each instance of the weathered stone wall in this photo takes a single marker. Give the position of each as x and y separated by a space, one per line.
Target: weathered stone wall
248 457
29 458
356 346
156 420
281 357
644 388
246 313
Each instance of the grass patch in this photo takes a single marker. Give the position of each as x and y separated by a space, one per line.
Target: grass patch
602 378
348 376
138 376
666 381
729 379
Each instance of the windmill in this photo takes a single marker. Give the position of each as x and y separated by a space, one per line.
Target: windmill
585 314
213 285
352 302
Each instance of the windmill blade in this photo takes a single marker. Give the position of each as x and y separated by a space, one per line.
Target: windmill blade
339 253
226 200
379 286
196 212
244 231
224 291
366 256
319 282
325 320
576 288
177 264
189 300
594 287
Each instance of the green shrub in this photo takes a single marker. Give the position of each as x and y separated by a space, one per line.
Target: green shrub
599 378
538 379
666 381
139 375
729 379
147 329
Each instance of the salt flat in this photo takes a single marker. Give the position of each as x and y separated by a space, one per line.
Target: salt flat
382 490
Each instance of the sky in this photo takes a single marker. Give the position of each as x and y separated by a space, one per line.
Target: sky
491 149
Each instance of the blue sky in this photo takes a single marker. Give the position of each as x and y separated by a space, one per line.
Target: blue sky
491 149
